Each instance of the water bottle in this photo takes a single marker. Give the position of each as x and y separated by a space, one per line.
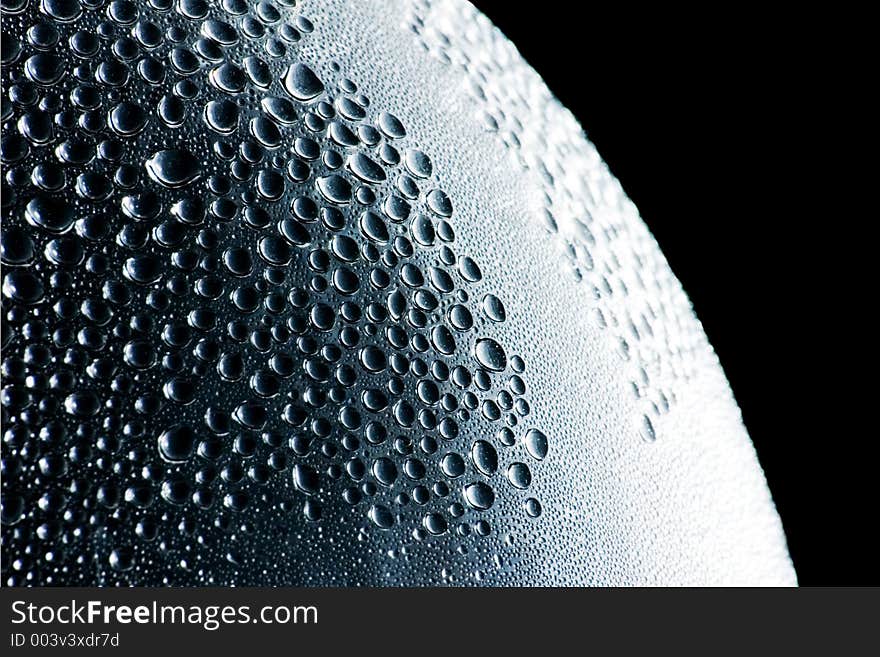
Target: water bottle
338 293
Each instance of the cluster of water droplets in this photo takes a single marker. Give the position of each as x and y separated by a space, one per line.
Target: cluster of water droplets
596 230
239 343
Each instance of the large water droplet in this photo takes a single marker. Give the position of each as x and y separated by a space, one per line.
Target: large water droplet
484 457
381 516
490 354
177 443
173 168
49 213
479 495
301 82
536 444
519 475
306 479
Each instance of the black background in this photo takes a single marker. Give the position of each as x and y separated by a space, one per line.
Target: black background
733 135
